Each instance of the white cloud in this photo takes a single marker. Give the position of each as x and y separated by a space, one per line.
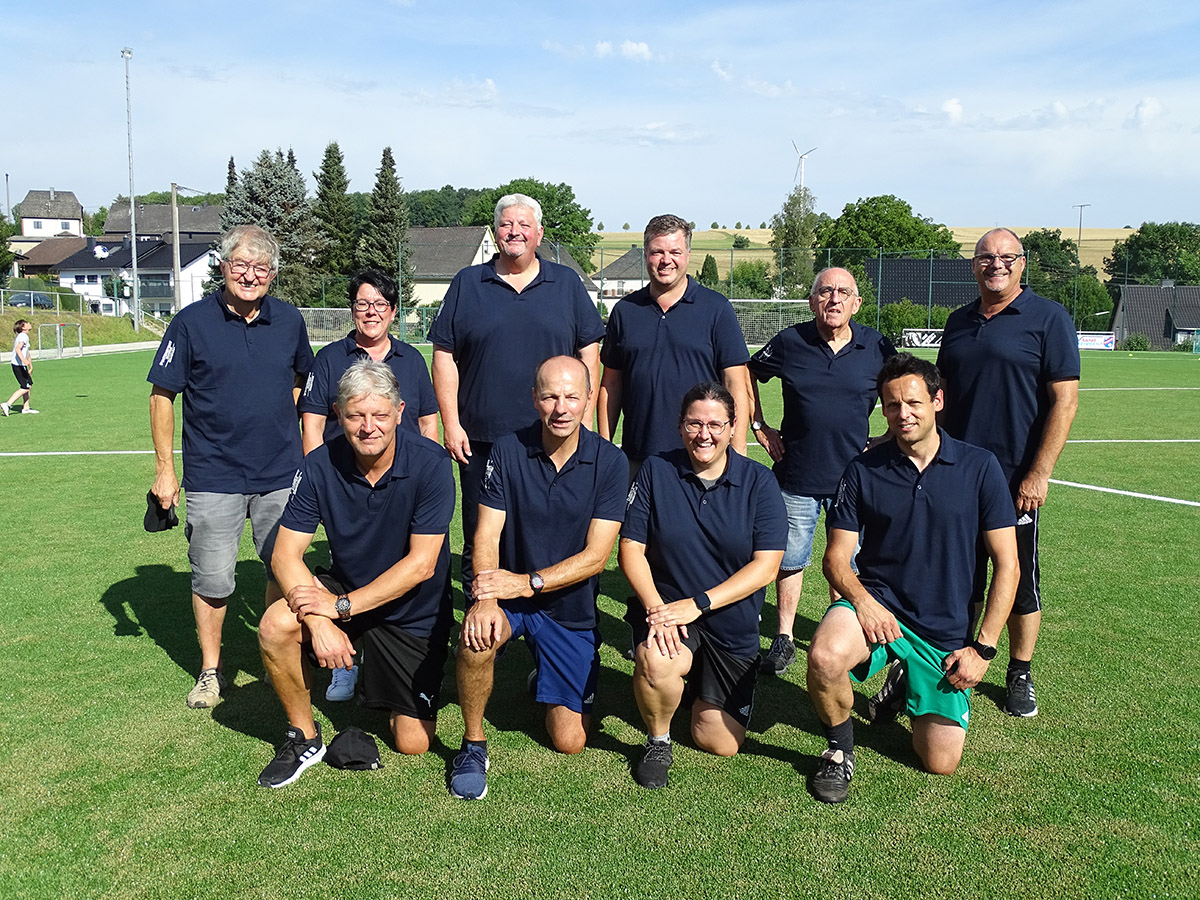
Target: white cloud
953 109
767 88
603 49
1147 112
635 50
723 74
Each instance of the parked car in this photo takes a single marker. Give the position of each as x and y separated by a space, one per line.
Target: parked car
35 299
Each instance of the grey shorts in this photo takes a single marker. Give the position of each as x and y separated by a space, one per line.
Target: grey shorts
214 530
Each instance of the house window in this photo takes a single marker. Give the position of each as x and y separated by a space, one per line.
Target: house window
37 224
93 279
81 279
64 226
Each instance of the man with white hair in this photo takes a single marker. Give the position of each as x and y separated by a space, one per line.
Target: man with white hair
496 323
386 497
239 358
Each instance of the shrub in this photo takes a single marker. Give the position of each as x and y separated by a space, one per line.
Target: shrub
1136 341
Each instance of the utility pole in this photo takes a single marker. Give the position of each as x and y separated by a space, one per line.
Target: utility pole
175 266
127 54
1078 248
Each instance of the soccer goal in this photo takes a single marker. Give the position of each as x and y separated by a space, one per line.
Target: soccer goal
67 342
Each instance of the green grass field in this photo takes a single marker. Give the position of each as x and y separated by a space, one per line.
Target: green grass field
113 788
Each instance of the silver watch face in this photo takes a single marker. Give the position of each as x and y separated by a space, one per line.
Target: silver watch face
343 606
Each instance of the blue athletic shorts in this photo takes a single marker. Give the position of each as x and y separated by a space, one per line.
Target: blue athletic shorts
568 661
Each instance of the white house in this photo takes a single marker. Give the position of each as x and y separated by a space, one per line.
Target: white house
623 275
48 213
86 271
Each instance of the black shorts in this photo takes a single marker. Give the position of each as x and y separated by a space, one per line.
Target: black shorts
1029 591
397 670
717 676
23 375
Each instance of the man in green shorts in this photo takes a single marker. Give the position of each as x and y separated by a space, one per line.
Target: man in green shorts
921 501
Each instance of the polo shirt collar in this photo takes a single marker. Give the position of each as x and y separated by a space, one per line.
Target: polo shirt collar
1013 308
734 474
812 335
587 452
948 453
342 455
350 346
487 272
264 309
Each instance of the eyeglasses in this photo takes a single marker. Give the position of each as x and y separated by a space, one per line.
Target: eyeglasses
240 267
827 292
380 306
1005 259
716 429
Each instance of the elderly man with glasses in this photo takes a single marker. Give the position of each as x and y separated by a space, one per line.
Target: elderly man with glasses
827 367
1011 366
239 357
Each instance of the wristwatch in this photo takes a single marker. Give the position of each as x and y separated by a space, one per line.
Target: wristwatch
703 603
536 583
757 426
985 651
343 607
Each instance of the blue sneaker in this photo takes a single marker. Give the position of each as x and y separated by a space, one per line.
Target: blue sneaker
468 775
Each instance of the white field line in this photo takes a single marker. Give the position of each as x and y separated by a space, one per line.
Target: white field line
1105 490
1135 441
1082 389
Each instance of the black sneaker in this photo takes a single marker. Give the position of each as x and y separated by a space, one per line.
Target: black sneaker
888 703
1021 701
781 655
294 755
651 771
831 784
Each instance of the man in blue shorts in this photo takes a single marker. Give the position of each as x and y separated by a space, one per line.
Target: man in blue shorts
386 497
828 367
496 321
923 503
239 357
552 502
1011 364
663 339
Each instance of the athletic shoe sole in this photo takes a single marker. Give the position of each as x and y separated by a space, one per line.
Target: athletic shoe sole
304 764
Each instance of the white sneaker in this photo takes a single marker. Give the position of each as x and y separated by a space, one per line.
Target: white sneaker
342 686
28 411
7 409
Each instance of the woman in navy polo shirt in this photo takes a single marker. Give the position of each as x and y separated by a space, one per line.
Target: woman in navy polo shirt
704 534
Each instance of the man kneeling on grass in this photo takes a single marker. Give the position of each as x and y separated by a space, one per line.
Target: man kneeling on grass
923 503
386 498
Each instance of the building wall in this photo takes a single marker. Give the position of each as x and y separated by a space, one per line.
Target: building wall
42 227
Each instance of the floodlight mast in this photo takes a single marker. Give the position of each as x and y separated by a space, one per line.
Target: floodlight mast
800 164
127 54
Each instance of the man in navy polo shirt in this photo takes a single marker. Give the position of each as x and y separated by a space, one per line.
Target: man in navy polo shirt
923 503
239 357
386 498
373 299
552 502
496 321
1011 364
663 339
828 368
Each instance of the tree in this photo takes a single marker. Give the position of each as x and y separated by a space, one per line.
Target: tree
713 226
599 226
441 208
708 272
385 234
335 213
272 195
565 221
792 231
1154 252
625 227
737 224
93 224
1052 269
762 224
231 178
7 230
740 242
750 279
884 223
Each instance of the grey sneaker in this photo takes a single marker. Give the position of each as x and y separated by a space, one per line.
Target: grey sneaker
207 692
888 703
831 784
651 771
294 755
1021 700
341 688
781 655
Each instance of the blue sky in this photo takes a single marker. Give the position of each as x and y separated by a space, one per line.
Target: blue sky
975 114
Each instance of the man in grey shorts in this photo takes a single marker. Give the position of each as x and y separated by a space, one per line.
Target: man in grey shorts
239 357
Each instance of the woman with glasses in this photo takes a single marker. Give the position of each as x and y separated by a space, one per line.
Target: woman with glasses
373 298
704 534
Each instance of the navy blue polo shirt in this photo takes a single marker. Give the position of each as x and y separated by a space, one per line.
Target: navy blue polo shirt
697 537
368 526
499 337
996 371
548 512
662 355
241 433
920 531
827 401
405 361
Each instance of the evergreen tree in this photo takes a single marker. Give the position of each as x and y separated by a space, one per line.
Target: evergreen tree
385 233
231 178
335 213
792 240
708 272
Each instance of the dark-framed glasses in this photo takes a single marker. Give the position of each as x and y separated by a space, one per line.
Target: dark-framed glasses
380 306
1008 260
240 267
694 427
826 292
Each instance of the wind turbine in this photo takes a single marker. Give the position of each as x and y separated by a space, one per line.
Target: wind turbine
800 163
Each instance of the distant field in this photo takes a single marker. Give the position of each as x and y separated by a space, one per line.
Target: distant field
1097 242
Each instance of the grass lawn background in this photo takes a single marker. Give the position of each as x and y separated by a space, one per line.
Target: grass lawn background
113 788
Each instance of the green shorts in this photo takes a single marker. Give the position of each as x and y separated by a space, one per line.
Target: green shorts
928 690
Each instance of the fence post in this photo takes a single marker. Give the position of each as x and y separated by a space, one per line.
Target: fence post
929 301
